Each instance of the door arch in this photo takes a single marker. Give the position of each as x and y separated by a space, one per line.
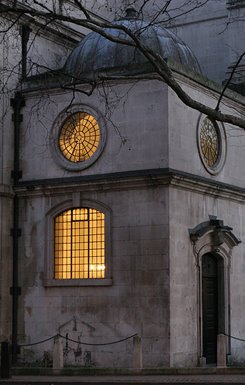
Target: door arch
213 241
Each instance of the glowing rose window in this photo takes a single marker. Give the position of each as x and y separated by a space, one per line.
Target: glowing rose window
79 137
210 142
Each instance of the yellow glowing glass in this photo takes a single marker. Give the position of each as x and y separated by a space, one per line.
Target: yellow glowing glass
210 142
79 247
79 137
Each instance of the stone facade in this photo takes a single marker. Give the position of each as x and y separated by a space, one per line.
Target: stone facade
165 210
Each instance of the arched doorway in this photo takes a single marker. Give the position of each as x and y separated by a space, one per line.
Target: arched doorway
210 307
212 246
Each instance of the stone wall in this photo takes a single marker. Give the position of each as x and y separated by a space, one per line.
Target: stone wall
137 301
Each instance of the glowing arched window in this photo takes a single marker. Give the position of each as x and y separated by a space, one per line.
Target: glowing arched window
79 245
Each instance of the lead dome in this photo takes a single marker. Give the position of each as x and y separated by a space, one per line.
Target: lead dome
96 53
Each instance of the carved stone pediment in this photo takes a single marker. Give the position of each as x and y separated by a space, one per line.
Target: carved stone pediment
213 236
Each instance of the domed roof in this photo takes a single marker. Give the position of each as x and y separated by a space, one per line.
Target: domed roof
95 52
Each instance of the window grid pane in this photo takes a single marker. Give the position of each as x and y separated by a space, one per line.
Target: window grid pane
79 246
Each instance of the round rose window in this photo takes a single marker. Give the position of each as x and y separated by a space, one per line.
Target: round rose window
211 144
79 137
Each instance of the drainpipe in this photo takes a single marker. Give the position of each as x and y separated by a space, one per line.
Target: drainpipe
17 103
25 33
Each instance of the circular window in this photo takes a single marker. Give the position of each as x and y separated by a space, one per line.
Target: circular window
78 138
212 144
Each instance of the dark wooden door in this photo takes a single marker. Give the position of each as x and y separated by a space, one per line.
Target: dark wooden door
210 307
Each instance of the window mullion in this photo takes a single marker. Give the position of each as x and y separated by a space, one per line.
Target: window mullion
71 240
79 244
88 243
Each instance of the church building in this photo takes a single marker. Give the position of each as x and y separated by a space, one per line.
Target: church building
122 209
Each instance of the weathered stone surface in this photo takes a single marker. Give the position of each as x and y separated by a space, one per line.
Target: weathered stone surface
153 185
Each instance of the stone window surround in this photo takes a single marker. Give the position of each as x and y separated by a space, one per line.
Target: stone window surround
214 170
59 158
49 281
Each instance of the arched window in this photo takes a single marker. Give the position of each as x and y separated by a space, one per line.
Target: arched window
79 244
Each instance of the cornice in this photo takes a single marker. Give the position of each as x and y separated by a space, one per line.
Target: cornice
57 81
231 4
6 191
151 178
59 31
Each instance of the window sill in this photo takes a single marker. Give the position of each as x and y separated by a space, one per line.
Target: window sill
78 282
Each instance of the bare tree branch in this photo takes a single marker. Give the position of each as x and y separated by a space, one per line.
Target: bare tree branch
132 39
229 80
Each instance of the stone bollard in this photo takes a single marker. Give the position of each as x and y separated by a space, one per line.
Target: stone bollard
202 362
5 362
58 358
137 353
221 350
